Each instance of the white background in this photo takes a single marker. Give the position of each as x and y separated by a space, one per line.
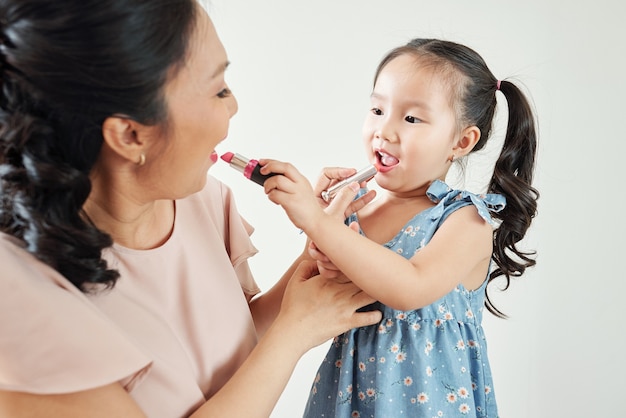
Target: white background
302 73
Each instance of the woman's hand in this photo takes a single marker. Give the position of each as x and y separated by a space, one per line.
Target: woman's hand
326 267
315 309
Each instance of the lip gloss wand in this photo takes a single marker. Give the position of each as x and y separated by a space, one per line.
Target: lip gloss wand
365 174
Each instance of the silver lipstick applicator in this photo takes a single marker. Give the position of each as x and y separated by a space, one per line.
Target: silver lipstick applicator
365 174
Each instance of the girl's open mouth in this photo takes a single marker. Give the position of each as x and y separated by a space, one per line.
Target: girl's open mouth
386 161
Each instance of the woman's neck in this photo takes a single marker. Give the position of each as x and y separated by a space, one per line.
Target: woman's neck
130 224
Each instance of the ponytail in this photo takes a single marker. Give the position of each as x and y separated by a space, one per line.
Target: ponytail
512 177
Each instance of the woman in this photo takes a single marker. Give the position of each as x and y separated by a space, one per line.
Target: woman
125 289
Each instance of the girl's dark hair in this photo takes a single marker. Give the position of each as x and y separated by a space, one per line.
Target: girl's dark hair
65 66
473 89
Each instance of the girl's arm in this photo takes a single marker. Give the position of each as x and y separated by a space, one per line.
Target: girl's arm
314 310
458 253
266 306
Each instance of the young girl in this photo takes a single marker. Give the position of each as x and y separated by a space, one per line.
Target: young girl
424 250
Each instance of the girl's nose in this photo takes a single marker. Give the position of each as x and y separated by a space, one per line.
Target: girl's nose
386 131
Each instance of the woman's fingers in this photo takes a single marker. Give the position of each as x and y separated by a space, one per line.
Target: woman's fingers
322 308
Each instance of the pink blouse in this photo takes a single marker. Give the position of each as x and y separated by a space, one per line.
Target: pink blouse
173 330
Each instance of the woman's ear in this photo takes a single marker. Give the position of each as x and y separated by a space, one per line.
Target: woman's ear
122 136
469 137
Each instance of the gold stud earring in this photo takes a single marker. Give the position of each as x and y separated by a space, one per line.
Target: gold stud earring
142 159
452 158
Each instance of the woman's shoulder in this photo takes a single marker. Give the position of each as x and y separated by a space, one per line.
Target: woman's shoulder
52 333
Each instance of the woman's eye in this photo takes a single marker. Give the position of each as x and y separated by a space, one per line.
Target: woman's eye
377 111
225 92
412 119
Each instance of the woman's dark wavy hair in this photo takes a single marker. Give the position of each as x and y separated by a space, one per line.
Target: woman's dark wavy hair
65 66
474 88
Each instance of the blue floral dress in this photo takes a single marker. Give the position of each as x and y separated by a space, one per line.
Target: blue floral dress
429 362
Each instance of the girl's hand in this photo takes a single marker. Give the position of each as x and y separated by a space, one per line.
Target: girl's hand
332 175
294 193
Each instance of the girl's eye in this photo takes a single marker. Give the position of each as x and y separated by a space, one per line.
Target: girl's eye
225 92
412 119
377 111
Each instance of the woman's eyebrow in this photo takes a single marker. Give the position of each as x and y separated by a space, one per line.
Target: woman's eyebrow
220 69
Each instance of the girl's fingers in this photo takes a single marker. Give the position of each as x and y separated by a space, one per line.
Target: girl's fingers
329 176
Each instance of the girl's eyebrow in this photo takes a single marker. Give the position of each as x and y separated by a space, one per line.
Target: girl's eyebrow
411 103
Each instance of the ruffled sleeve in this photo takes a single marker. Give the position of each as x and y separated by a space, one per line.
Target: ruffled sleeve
236 236
53 340
445 197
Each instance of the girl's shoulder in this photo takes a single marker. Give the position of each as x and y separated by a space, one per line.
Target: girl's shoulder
447 200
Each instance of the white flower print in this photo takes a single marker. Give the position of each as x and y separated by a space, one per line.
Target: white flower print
472 344
451 397
464 408
422 398
429 347
463 393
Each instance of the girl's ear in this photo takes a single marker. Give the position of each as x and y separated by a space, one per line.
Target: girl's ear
123 137
469 137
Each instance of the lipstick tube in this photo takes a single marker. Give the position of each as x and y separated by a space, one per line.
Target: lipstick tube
365 174
250 168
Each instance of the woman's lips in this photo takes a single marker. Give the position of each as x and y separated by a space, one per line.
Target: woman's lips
214 157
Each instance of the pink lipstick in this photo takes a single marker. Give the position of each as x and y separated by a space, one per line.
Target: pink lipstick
365 174
250 168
